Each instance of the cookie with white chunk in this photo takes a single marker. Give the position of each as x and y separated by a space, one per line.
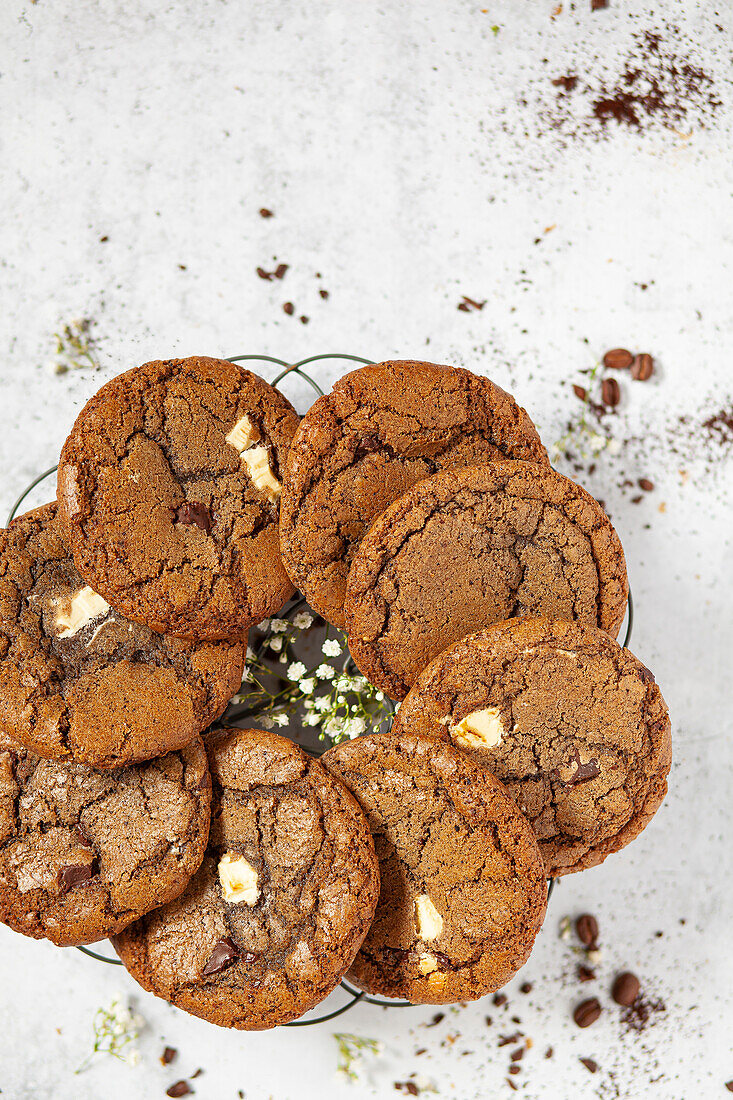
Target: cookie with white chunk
79 681
573 724
463 889
169 494
282 901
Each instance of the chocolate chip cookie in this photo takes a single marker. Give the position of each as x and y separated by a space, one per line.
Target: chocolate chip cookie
283 899
463 889
381 429
572 724
467 548
84 853
168 491
79 680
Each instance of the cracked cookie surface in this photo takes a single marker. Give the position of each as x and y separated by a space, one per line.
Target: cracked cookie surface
463 889
573 725
167 489
282 901
382 428
83 853
467 548
79 680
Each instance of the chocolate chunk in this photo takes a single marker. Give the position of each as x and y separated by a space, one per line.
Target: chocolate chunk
729 1086
265 274
168 1055
580 392
589 770
549 1052
82 836
587 1012
323 294
610 392
517 1055
180 1088
642 368
618 359
223 955
500 999
598 5
265 213
280 270
586 927
625 989
304 320
288 308
590 1065
193 512
567 83
75 874
515 1069
525 987
585 974
646 484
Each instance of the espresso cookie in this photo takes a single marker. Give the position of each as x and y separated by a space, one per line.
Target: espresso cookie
381 429
572 724
77 679
83 852
168 489
463 889
471 547
283 899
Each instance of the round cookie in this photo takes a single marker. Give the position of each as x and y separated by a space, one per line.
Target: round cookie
168 490
572 724
467 548
83 852
282 901
77 679
382 428
463 889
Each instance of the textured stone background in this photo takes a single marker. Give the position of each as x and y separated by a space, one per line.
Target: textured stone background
411 155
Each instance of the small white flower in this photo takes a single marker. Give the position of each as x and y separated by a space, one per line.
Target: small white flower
325 672
308 686
281 719
354 727
250 653
333 728
321 703
283 660
331 648
278 626
379 696
275 644
303 620
267 722
296 670
312 720
264 626
133 1057
246 676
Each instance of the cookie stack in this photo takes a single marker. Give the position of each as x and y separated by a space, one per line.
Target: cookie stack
240 879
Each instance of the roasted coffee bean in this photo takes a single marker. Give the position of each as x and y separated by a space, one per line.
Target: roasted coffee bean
587 928
625 989
642 368
646 484
610 392
181 1088
168 1055
587 1012
618 359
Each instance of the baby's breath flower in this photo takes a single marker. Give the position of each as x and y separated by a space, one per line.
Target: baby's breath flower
276 644
281 719
331 648
296 670
325 672
115 1028
264 626
278 626
302 620
308 686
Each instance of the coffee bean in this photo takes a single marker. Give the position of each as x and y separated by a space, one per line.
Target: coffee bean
180 1088
618 359
579 392
168 1055
642 368
587 928
625 989
610 392
646 484
587 1012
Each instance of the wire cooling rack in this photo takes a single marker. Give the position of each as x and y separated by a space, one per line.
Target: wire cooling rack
238 713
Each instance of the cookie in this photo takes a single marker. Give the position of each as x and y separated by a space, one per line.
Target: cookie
572 724
83 853
463 889
467 548
381 429
168 490
282 901
77 679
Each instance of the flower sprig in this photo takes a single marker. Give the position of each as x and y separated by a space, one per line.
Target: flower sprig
75 347
582 436
115 1029
351 1049
330 697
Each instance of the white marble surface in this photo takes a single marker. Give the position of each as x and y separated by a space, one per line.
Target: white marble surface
405 153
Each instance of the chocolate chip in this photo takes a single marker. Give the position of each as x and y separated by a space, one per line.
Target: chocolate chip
618 359
193 513
82 836
181 1088
585 974
646 484
589 770
587 1012
168 1055
280 270
265 213
586 927
590 1065
223 955
288 308
580 392
75 874
642 368
625 989
610 392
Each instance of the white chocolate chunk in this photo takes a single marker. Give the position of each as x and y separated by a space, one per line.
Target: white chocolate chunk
482 729
76 611
427 918
427 963
257 462
243 434
238 880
